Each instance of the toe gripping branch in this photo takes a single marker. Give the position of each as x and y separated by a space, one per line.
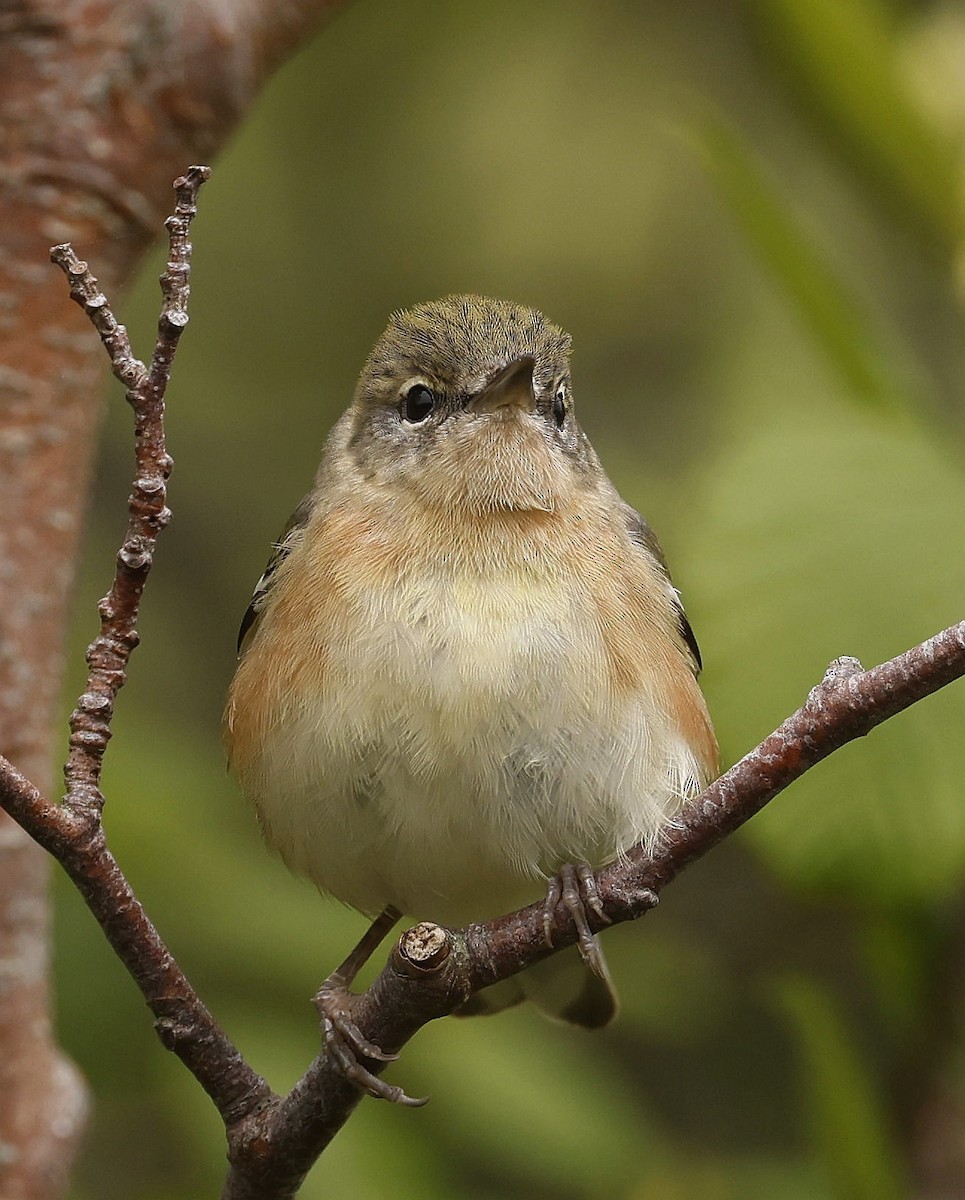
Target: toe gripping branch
433 970
575 888
423 981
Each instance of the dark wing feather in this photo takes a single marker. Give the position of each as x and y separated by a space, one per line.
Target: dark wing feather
291 535
641 533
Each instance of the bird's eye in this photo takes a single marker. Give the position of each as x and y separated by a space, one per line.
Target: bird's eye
417 404
559 406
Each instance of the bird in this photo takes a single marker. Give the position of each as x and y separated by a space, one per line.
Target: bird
465 674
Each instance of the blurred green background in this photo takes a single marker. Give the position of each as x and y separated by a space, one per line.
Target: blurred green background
748 216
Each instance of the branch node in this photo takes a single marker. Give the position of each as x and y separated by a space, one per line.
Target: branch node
134 557
422 950
171 1032
92 702
150 485
174 322
842 668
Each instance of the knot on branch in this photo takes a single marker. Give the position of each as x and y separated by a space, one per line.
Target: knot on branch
173 323
95 704
134 556
422 950
90 737
109 654
149 485
150 510
842 668
628 901
174 1032
430 964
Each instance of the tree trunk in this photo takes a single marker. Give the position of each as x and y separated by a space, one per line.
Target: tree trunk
101 106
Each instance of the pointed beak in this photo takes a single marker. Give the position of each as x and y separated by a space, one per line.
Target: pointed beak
511 388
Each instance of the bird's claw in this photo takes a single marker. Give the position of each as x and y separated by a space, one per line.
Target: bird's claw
345 1045
575 887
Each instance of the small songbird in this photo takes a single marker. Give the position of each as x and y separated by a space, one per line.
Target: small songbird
465 669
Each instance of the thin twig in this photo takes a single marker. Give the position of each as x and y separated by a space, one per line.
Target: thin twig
73 832
108 654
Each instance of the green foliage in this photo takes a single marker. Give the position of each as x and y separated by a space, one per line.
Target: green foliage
848 1124
769 359
832 313
822 532
843 58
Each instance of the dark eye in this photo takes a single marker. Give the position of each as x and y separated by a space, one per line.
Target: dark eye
559 406
418 403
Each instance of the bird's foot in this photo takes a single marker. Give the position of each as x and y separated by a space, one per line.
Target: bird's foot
344 1042
575 888
347 1047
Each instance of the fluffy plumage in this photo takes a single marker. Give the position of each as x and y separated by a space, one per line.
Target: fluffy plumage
467 664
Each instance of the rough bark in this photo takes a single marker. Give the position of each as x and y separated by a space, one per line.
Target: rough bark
101 106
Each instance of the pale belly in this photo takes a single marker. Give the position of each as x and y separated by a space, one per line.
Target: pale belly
465 742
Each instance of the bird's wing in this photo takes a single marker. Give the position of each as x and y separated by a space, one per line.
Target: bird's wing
641 533
290 536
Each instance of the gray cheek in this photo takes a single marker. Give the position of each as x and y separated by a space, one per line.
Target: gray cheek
578 450
373 429
381 446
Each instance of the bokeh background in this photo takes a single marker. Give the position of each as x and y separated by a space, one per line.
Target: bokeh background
747 213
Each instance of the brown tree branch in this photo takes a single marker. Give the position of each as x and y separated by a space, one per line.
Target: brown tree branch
273 1141
101 104
107 656
75 828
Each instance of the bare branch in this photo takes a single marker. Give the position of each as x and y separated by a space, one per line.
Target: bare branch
148 513
85 292
73 833
182 1021
94 129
